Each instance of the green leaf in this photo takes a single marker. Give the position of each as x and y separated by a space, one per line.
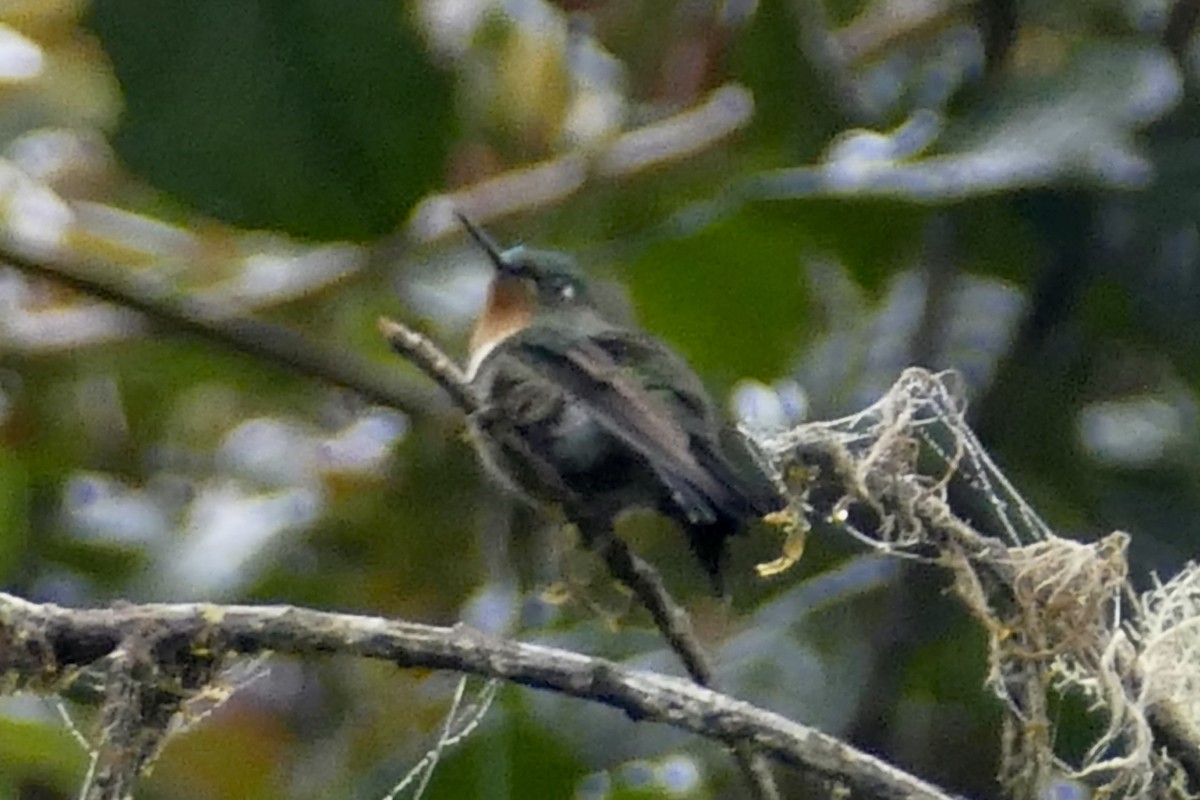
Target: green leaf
794 109
729 298
731 295
325 120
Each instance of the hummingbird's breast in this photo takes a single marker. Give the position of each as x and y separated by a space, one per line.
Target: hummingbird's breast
540 441
509 309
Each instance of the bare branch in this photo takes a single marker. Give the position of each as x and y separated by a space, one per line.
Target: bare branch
272 344
425 355
43 645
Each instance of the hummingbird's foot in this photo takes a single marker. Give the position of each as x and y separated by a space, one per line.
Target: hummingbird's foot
556 594
795 528
583 583
610 611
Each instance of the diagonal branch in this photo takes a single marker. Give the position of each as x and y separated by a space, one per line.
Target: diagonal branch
433 362
42 646
272 344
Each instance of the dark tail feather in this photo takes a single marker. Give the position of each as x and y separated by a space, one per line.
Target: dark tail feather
709 544
747 492
744 493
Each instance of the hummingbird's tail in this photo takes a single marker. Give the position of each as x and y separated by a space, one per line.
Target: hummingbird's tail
742 494
709 543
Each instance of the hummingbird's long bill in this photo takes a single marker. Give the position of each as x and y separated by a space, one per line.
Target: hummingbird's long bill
483 239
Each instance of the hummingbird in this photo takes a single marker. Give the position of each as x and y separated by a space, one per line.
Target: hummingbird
593 417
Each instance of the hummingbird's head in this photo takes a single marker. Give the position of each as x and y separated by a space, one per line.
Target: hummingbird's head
528 283
551 280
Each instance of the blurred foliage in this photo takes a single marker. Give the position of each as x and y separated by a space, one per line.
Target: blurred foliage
810 197
297 116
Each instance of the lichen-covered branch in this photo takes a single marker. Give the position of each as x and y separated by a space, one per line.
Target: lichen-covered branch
42 646
1061 615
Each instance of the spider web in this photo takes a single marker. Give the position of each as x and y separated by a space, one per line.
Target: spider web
907 476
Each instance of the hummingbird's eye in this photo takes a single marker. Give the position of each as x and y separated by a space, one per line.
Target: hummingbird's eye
559 289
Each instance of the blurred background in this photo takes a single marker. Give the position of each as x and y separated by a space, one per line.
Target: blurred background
802 197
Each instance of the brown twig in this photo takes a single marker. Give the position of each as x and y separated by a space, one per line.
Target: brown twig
272 344
42 647
425 355
672 621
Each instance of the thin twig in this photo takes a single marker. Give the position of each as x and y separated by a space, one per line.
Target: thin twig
450 737
272 344
42 645
671 619
425 355
675 625
77 735
436 754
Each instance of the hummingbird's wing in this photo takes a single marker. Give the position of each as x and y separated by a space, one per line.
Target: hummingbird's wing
671 380
647 397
